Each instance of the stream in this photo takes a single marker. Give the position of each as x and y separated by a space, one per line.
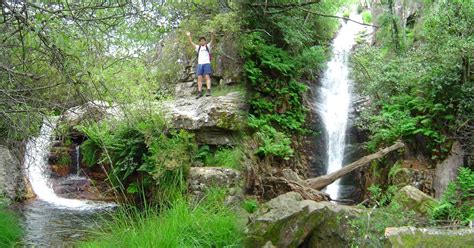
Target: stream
50 220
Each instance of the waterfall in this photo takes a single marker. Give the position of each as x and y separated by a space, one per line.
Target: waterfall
335 97
36 164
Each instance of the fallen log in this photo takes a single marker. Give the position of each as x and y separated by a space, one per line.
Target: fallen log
320 182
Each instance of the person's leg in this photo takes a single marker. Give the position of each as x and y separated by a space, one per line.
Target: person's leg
207 72
199 72
199 83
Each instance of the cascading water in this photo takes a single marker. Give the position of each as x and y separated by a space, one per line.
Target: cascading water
78 160
50 220
335 96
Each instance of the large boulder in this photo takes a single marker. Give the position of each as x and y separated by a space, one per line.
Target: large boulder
12 183
447 170
408 237
414 199
202 178
94 110
290 221
215 120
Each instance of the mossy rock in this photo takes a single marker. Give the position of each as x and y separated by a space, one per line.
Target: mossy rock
411 198
409 237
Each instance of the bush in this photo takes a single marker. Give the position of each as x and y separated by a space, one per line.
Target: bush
139 152
457 203
208 223
366 17
250 205
368 229
10 231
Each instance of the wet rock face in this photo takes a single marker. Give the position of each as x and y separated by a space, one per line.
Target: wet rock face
447 170
12 184
429 237
290 221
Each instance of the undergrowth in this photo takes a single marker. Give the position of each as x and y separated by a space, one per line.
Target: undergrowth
207 223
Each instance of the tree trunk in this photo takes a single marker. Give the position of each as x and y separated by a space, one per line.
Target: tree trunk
322 181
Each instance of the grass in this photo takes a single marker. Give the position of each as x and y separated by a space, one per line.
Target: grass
226 158
208 223
10 230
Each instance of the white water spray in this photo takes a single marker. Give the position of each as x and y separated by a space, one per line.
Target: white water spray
37 150
334 98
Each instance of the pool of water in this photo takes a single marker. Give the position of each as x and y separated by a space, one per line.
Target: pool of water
47 225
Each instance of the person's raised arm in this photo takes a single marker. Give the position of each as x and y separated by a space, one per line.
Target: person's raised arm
190 40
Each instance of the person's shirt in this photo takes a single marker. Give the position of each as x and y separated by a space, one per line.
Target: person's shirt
203 56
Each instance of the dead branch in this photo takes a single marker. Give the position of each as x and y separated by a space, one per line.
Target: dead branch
320 182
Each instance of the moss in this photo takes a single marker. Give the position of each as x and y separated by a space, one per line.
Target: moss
420 239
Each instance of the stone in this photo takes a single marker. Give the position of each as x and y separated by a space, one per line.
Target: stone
94 110
224 112
12 183
429 237
447 170
186 89
202 178
414 199
290 221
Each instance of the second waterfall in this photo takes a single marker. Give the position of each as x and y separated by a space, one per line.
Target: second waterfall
334 98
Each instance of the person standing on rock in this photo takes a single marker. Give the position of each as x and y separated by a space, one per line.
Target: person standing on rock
203 51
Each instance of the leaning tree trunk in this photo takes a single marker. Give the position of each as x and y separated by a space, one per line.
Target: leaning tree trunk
322 181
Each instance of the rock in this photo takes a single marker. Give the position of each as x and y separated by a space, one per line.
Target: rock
12 183
413 172
429 237
414 199
447 170
202 178
186 89
95 110
224 112
290 221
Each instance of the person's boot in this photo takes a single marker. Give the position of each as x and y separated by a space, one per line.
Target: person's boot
208 92
199 95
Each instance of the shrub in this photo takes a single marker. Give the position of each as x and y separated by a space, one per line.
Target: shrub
139 152
368 229
366 17
250 205
457 203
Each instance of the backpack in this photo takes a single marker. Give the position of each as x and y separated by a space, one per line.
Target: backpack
207 49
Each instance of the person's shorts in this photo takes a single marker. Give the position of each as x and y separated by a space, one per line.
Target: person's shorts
204 69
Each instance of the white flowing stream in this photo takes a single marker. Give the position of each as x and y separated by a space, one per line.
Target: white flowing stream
335 98
51 220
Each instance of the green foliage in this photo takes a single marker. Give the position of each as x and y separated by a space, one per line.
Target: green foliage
250 205
382 197
141 146
366 17
457 203
208 223
65 159
284 49
10 230
368 229
226 157
423 92
272 142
